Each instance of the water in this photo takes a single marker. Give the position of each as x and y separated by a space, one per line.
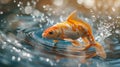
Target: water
21 43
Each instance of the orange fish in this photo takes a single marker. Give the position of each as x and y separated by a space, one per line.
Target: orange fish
72 29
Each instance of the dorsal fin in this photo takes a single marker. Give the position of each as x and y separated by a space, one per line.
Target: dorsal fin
72 16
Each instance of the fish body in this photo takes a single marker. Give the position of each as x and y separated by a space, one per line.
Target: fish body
72 29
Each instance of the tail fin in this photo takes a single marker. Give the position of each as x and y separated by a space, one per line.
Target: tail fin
100 50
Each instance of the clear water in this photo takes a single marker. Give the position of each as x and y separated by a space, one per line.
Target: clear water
21 43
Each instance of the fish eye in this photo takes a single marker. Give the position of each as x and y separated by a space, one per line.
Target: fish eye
51 32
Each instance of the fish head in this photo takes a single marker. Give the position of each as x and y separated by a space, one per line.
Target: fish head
51 33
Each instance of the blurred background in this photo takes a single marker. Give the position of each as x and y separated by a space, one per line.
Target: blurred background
23 21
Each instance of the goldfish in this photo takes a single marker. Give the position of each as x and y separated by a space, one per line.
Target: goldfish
72 29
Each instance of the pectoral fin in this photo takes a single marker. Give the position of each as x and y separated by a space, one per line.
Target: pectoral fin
86 47
85 40
75 43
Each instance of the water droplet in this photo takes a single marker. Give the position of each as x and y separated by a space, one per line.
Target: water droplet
80 1
13 58
113 9
93 16
50 9
17 14
28 9
28 3
21 8
30 59
20 2
33 17
118 17
89 3
18 58
102 34
47 60
8 40
61 18
40 25
4 43
34 2
1 12
44 6
26 54
49 14
52 63
14 1
36 13
109 17
58 2
15 49
18 44
18 5
117 31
